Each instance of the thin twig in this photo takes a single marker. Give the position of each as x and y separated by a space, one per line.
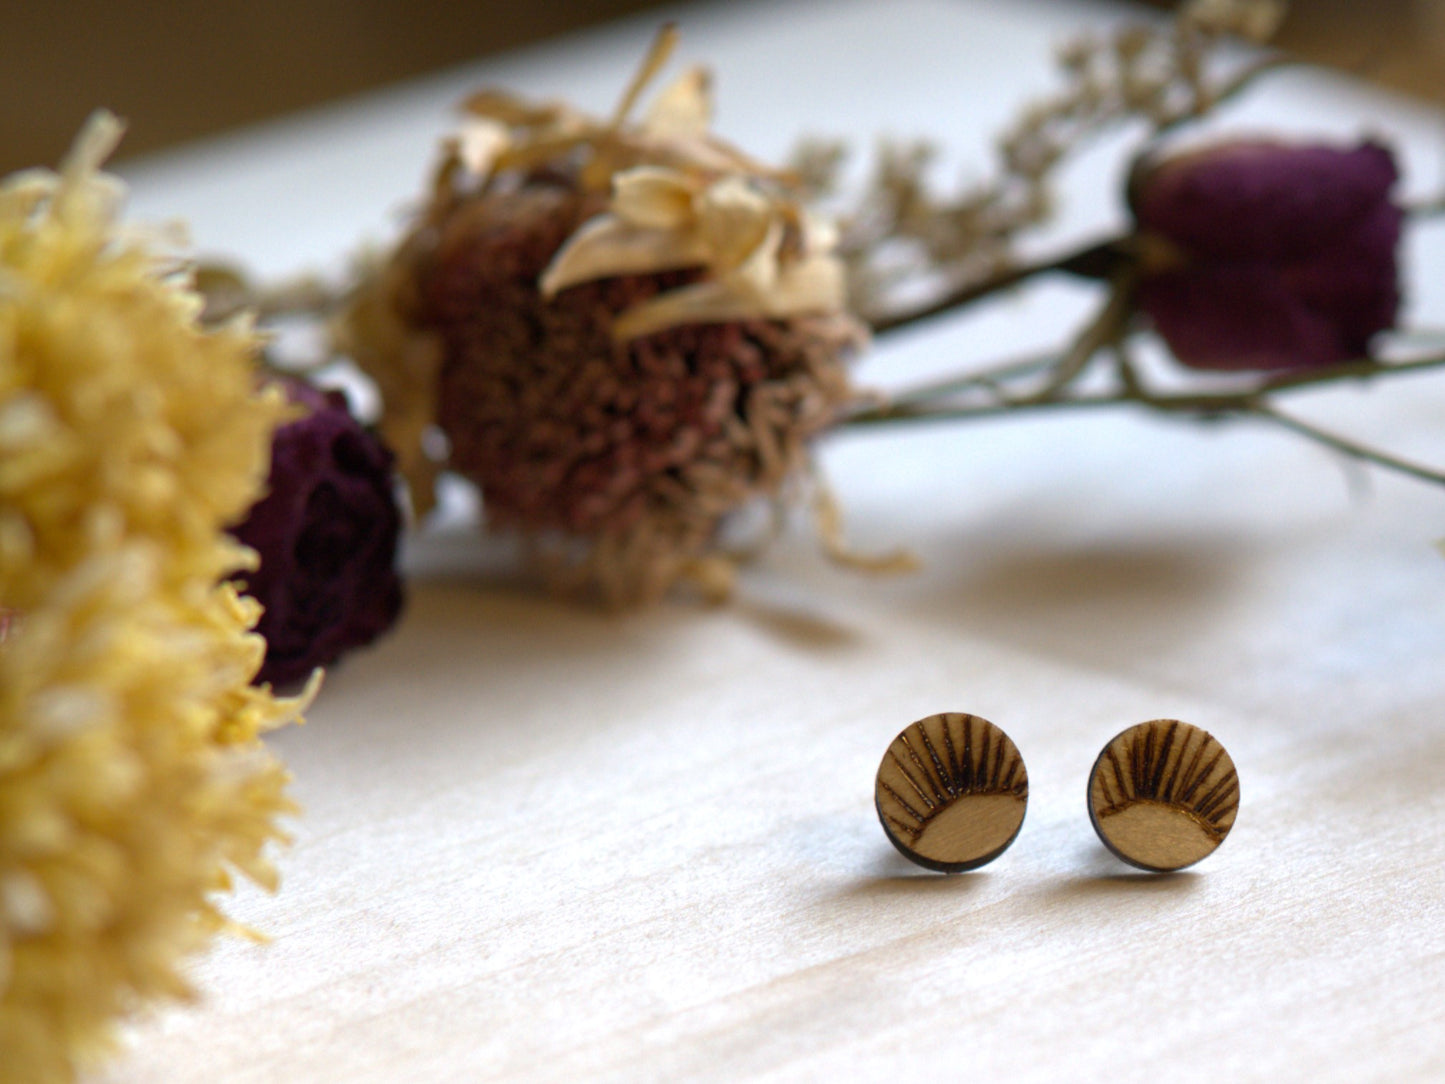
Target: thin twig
1109 326
987 380
1240 82
1248 403
1095 260
1344 445
991 378
1434 207
1360 369
304 295
1205 404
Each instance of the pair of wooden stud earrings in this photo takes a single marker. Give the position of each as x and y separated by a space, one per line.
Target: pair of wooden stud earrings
952 790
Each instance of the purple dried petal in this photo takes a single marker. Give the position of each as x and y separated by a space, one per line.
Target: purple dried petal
1287 254
327 534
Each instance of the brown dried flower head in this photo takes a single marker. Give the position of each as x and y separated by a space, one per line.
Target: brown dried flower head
624 331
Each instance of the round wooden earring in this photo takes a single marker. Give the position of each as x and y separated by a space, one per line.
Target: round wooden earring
1163 795
951 792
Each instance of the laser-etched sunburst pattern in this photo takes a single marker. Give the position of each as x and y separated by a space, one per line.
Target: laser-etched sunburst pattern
1163 795
930 770
1171 763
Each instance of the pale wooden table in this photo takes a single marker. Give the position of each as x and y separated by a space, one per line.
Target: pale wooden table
544 844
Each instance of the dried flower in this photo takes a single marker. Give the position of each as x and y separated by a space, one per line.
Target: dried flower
326 533
1254 20
905 239
623 331
1269 256
132 783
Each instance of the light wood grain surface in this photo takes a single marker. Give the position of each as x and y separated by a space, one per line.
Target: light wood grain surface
545 844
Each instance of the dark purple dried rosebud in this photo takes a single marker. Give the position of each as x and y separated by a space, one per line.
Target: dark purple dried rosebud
1268 256
327 534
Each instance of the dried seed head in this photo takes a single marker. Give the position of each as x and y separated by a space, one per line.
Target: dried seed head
625 332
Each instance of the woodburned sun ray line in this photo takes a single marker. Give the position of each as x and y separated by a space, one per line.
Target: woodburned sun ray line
938 794
1162 759
1220 792
1184 771
1154 781
945 779
1201 775
1150 777
949 749
1013 771
915 814
912 831
903 768
1119 776
966 778
946 760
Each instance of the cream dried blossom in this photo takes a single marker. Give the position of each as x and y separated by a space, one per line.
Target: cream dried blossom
620 331
133 786
663 219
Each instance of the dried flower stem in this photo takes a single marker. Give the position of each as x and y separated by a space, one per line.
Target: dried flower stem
1109 326
228 291
902 230
1345 446
992 380
1093 261
1425 210
1239 82
920 404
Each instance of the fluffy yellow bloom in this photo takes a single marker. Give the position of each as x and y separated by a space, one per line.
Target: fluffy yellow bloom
132 781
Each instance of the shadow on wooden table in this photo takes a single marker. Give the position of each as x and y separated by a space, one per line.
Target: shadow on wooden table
911 885
465 559
892 876
1002 583
1122 605
1089 886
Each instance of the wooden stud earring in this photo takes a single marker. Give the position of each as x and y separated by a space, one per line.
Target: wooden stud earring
951 792
1163 795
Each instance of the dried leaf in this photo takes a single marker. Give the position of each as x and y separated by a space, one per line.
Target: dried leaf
607 246
683 109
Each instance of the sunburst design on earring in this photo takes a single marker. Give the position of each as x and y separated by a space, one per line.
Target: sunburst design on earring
951 792
1163 795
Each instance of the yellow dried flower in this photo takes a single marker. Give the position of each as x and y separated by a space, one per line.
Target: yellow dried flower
132 783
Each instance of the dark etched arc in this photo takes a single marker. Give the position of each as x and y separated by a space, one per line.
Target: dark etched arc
941 770
1174 768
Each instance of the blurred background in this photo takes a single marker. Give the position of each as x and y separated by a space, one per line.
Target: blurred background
178 71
